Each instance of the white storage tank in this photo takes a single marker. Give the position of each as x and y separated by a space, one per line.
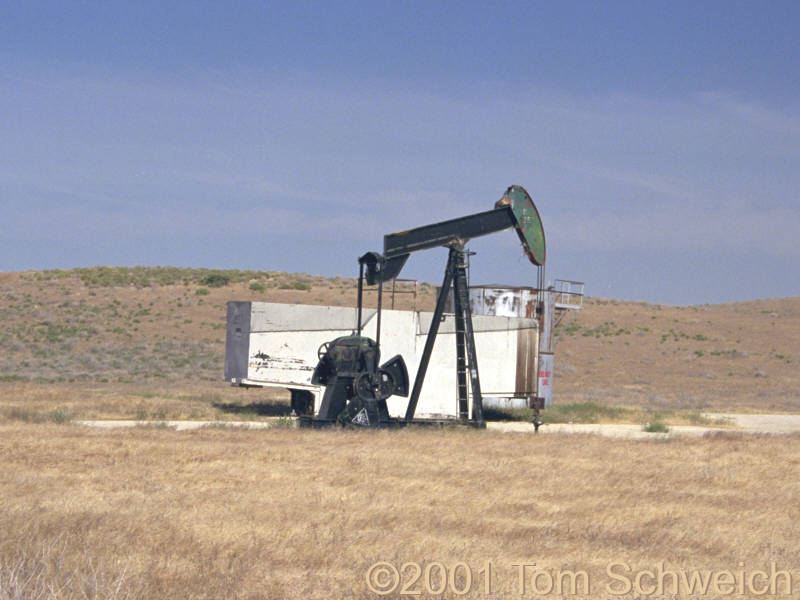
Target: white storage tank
507 301
547 306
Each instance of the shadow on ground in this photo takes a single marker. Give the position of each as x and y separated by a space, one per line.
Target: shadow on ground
265 409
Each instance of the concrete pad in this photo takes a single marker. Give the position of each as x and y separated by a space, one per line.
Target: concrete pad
743 423
181 425
761 423
615 430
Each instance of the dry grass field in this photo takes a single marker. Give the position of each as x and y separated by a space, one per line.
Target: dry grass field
283 513
742 356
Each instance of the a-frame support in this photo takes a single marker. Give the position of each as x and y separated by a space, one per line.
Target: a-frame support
466 357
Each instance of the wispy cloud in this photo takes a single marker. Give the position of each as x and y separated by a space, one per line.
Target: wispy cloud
130 158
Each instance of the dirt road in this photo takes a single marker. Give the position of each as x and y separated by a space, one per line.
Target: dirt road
745 423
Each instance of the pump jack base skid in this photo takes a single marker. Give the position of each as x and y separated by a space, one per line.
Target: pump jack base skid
307 422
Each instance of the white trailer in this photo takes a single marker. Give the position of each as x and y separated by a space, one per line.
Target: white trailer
276 345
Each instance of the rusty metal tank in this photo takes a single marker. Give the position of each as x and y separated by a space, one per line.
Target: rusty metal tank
503 301
506 301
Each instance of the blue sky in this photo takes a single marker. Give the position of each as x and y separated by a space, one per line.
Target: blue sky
659 140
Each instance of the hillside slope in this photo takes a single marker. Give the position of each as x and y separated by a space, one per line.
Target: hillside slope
731 356
166 326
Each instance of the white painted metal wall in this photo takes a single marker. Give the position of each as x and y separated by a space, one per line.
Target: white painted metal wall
284 339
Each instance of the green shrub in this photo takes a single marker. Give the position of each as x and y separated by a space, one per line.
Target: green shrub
695 417
202 291
215 279
295 285
8 378
575 412
655 427
58 416
257 286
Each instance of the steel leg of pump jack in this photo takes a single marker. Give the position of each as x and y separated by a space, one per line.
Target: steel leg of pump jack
454 275
377 412
302 402
334 399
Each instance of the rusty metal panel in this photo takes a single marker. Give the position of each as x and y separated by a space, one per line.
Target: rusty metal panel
527 360
237 341
519 302
548 316
503 301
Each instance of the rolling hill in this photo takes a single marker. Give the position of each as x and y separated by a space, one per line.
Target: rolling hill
163 328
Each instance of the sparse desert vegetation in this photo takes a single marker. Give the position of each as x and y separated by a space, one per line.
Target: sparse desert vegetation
738 357
162 327
132 325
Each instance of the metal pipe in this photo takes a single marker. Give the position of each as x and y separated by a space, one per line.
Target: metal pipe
380 303
360 292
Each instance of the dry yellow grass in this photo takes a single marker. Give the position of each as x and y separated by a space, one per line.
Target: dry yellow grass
218 401
737 357
37 402
304 514
150 513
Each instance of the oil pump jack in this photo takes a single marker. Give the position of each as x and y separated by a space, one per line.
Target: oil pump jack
356 384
